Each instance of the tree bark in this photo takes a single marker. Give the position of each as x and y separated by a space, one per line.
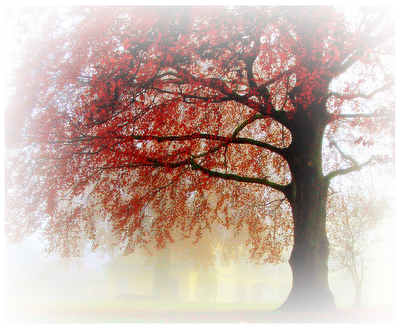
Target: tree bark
309 257
162 275
308 197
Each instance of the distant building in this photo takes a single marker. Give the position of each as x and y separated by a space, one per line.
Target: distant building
135 276
248 283
244 282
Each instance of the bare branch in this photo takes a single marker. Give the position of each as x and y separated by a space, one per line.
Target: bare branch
343 155
355 166
383 114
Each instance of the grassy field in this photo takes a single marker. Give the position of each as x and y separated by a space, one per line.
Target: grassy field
153 312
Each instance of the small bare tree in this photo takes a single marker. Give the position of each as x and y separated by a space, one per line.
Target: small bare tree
355 224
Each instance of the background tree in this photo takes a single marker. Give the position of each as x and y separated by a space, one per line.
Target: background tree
356 223
113 109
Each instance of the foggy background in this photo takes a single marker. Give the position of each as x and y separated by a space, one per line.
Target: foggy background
31 277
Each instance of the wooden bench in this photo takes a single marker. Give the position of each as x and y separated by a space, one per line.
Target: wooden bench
136 297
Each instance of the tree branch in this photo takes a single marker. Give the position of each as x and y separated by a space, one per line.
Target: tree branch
355 165
343 155
361 95
219 86
195 166
371 42
384 114
225 140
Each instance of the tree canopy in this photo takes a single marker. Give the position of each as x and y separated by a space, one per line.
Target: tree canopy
145 120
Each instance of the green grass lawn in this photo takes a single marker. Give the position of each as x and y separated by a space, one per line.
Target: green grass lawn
159 312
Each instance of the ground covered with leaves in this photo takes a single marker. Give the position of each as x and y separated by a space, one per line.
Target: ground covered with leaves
130 312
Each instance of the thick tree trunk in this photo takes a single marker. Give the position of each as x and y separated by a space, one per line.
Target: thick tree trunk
308 198
162 275
309 257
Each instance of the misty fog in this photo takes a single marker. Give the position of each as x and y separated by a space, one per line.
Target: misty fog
31 276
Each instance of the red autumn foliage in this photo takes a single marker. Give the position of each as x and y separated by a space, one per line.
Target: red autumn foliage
152 120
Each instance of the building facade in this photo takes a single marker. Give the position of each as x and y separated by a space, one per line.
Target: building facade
137 277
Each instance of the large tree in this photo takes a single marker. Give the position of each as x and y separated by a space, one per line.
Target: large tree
143 120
